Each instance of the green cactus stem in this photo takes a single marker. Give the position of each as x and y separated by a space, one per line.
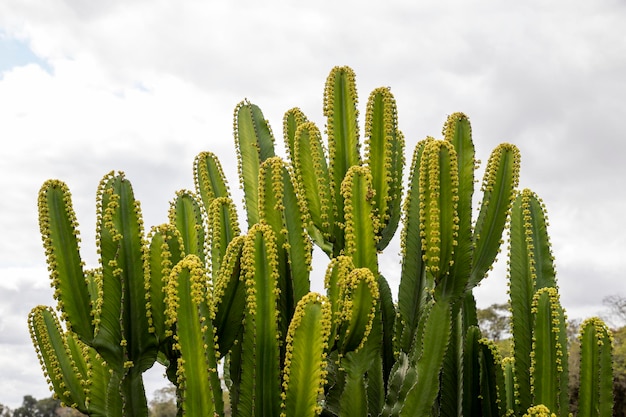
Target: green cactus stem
384 155
499 189
549 370
59 232
305 362
186 214
314 187
260 379
595 397
359 220
530 268
255 143
190 313
76 373
438 214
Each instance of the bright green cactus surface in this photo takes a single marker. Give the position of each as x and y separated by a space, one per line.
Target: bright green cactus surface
230 314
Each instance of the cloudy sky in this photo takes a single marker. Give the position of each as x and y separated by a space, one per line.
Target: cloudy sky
143 86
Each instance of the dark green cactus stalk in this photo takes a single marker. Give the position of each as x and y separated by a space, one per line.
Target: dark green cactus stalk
549 370
531 268
595 396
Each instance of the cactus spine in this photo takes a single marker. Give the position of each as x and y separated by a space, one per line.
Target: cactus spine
208 301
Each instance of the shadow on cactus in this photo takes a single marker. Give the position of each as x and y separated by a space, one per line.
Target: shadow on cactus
230 313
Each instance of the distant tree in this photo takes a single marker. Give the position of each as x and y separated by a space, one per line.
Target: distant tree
494 321
5 411
164 402
617 309
46 407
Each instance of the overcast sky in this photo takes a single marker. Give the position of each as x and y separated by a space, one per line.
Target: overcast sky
144 86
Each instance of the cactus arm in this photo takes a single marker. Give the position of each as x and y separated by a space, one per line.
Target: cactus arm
54 355
457 130
540 248
76 373
279 207
314 187
305 362
260 378
58 225
508 369
165 251
229 297
358 300
595 397
189 311
292 120
471 405
255 143
388 316
336 272
499 183
493 391
223 227
360 223
530 268
421 397
402 377
342 130
354 400
549 373
385 158
439 182
187 216
123 335
209 179
413 280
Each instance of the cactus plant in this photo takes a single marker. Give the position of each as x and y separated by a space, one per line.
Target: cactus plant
208 301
